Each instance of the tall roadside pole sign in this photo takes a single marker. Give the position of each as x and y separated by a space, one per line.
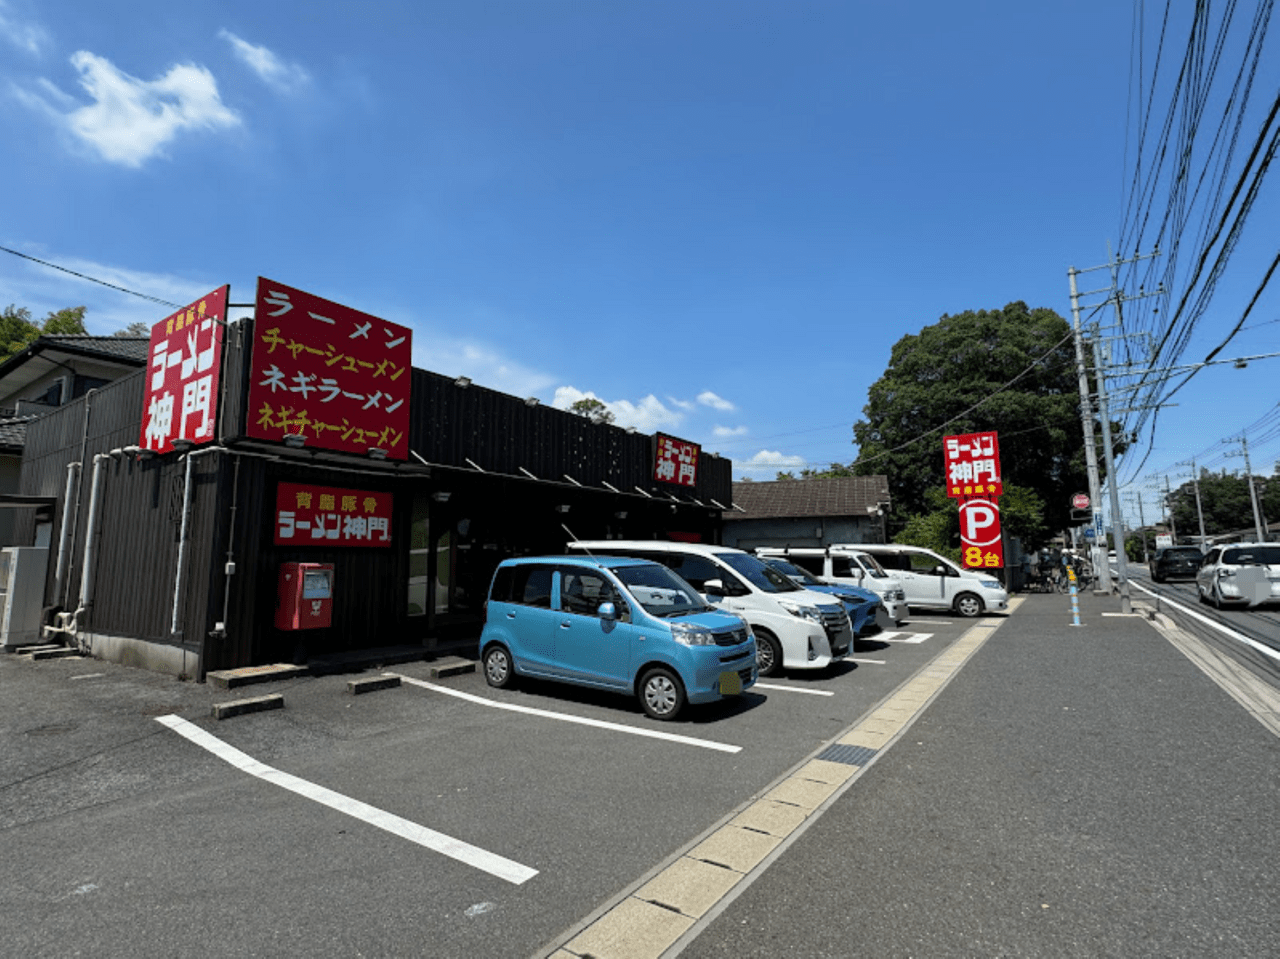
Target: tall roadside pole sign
972 463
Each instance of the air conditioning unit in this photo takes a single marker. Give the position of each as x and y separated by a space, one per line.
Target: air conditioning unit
22 575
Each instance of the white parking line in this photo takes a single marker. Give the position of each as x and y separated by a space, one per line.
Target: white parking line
930 622
908 637
1260 647
567 718
464 852
874 662
794 689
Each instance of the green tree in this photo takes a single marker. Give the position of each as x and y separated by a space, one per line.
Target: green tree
938 527
134 329
1225 502
18 331
593 409
1011 371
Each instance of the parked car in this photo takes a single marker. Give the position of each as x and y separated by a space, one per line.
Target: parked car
932 581
794 628
1175 562
1243 573
613 623
845 566
863 606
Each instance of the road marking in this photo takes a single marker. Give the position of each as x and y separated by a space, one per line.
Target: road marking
666 909
910 637
930 622
1226 631
567 718
463 852
89 676
876 662
794 689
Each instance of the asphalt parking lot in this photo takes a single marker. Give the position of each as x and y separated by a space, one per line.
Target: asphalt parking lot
368 824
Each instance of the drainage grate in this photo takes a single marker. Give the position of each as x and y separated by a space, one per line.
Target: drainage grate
850 755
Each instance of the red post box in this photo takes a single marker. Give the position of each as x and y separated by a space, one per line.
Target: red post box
304 597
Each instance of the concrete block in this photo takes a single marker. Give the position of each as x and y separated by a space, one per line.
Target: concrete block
247 675
357 686
452 666
61 652
255 704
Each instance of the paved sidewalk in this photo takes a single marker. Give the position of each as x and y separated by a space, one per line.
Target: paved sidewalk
1074 791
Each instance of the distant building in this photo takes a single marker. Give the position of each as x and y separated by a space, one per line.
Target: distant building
808 512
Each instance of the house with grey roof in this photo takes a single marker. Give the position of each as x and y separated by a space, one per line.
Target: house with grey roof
808 512
51 371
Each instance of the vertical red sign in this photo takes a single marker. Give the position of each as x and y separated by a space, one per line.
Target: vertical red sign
183 362
980 543
333 375
675 461
973 465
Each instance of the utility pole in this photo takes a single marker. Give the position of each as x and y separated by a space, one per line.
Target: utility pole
1195 480
1100 565
1168 507
1142 525
1113 485
1259 526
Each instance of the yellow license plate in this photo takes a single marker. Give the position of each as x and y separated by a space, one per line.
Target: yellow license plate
730 684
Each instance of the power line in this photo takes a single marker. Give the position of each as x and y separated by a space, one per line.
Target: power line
91 279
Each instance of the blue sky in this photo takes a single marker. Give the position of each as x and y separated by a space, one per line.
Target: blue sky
717 217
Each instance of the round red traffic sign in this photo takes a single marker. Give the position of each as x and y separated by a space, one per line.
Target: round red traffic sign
1080 501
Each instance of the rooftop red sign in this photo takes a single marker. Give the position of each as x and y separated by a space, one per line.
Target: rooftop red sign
675 461
183 361
333 375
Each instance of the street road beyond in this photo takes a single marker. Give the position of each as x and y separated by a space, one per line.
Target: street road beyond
1006 786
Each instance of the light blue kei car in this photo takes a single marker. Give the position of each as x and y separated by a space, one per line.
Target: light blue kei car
615 623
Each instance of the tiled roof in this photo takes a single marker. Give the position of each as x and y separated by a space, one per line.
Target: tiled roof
115 347
787 499
13 432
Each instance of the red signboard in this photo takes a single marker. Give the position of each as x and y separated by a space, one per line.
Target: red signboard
336 376
675 461
972 462
326 516
980 543
183 360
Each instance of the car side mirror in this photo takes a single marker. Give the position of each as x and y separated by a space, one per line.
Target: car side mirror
939 570
608 611
713 587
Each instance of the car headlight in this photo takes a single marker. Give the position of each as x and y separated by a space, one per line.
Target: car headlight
804 612
989 583
692 635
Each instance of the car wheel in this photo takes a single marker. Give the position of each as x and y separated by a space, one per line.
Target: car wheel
768 653
1201 594
498 669
661 693
1216 598
968 605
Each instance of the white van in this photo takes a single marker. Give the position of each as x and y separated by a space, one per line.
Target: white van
933 581
794 628
846 566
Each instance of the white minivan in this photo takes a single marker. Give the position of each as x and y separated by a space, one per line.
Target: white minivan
935 582
794 628
846 566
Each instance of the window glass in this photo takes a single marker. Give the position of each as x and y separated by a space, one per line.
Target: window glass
659 590
501 590
924 563
871 566
419 556
840 566
695 570
811 563
1249 555
802 576
531 585
757 573
583 590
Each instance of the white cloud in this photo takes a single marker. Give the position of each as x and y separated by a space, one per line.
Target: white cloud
25 36
481 363
687 405
646 416
274 72
707 398
724 432
766 463
131 120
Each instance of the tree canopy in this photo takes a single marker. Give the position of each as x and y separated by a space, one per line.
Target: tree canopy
1010 370
18 331
593 409
1225 502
